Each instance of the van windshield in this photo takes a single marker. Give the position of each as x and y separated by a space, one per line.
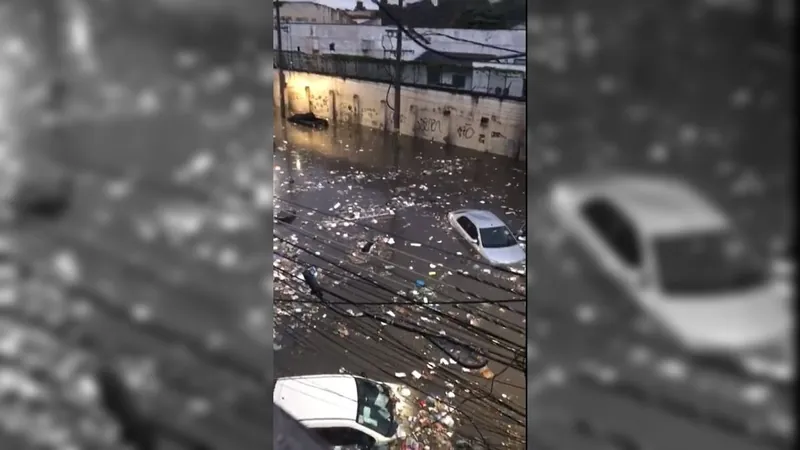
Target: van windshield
375 407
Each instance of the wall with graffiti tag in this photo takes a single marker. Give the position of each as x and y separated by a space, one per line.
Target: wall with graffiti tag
479 123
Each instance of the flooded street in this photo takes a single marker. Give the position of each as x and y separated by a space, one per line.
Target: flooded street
399 200
580 330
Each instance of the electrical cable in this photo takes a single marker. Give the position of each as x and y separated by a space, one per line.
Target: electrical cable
709 365
716 419
404 348
412 35
415 353
466 325
396 302
369 227
462 273
483 314
467 41
431 336
477 364
377 332
423 305
480 313
370 362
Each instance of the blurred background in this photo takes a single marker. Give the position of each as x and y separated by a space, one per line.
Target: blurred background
140 118
695 91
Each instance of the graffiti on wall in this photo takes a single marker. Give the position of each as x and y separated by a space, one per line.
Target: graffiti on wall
454 124
465 132
426 126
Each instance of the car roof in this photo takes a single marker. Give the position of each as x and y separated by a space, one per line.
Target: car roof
482 218
318 397
657 205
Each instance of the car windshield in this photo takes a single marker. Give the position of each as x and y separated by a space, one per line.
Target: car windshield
709 262
375 407
497 237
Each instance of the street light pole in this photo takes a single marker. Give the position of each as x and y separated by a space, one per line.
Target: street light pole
398 72
281 79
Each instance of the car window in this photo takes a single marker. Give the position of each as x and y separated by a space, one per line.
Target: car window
345 437
708 262
615 229
497 237
468 227
375 407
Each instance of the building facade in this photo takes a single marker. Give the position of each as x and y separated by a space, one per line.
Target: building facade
371 50
313 13
378 41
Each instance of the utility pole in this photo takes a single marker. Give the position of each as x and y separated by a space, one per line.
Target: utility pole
398 71
281 79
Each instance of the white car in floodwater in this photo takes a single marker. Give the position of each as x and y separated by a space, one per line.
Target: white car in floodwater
488 235
343 410
684 263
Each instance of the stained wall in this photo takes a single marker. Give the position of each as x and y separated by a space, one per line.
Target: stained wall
480 123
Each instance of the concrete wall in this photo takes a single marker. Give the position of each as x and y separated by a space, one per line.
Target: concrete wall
372 40
478 123
310 12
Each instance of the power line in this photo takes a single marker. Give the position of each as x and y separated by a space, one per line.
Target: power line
370 361
467 41
412 35
458 304
369 227
462 273
434 337
483 314
466 325
403 348
400 303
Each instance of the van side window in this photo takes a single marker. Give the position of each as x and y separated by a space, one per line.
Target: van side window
614 228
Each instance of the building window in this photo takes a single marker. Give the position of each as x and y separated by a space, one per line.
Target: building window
434 75
459 81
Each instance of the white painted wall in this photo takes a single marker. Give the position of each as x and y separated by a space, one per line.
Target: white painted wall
308 12
479 123
353 39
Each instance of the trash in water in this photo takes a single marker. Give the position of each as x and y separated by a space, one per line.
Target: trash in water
286 216
309 119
